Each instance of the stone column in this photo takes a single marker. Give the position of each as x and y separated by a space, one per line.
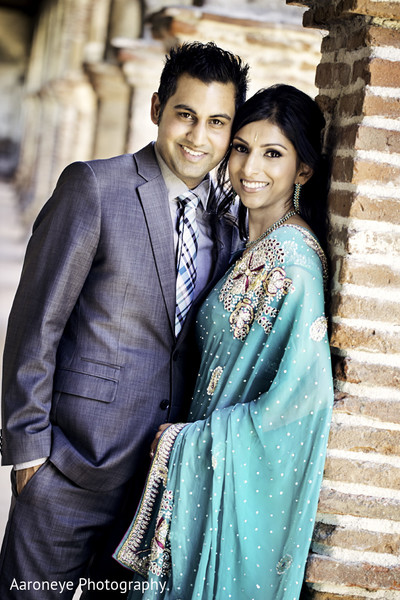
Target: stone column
355 550
113 98
60 105
142 64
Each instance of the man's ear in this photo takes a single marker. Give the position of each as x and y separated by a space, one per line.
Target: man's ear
155 109
304 173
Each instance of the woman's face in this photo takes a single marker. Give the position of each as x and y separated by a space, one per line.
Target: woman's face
263 168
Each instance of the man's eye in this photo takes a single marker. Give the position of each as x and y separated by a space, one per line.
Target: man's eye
185 115
217 122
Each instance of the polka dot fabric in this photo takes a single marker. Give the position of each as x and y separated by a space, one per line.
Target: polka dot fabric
244 475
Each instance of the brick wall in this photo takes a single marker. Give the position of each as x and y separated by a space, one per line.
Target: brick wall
356 545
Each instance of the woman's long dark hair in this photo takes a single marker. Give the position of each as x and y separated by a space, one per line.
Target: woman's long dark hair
302 122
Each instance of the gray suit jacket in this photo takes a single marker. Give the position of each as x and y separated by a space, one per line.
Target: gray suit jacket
91 365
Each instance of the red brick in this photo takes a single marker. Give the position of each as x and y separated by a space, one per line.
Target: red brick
367 308
384 73
330 75
380 140
364 439
325 569
373 171
351 104
386 411
389 10
333 502
362 472
342 169
366 541
383 36
350 37
326 103
361 70
348 337
352 371
352 204
385 107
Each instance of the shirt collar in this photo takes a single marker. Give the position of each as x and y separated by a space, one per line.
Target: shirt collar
176 187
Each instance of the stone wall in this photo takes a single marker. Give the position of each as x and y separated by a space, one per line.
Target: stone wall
355 551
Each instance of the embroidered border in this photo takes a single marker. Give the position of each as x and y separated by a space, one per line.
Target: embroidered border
311 241
128 553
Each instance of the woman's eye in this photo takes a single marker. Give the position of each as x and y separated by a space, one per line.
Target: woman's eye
273 153
240 148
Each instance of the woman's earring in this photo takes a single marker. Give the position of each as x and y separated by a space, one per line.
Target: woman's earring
296 197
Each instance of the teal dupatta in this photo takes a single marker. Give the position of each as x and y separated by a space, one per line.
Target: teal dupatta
230 502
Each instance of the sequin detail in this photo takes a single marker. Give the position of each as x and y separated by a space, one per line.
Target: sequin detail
318 329
156 558
284 564
256 280
314 244
215 377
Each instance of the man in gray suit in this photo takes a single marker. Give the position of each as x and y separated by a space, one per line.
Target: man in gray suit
92 362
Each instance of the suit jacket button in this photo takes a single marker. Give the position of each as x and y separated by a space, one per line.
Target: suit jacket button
164 404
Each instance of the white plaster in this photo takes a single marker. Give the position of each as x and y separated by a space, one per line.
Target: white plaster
388 158
357 556
382 92
371 391
365 225
382 122
386 52
379 358
369 190
362 324
359 523
366 457
391 294
358 489
367 422
375 121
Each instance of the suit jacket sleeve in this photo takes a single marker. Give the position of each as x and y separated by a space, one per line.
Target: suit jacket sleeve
58 259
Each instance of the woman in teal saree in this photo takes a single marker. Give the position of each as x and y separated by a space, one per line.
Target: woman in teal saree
230 501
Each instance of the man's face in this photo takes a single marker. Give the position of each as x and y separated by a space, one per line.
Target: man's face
194 128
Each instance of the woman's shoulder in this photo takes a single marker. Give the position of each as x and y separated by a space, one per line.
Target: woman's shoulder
300 247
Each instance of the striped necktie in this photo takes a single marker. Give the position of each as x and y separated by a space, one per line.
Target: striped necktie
188 235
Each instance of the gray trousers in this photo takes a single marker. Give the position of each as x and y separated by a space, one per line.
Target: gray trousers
59 536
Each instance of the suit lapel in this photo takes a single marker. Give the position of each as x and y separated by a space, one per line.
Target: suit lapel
153 197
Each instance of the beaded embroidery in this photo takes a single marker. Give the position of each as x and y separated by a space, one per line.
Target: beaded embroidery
284 564
157 557
215 377
256 279
318 329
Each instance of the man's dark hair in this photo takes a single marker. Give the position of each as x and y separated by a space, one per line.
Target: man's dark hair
206 62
